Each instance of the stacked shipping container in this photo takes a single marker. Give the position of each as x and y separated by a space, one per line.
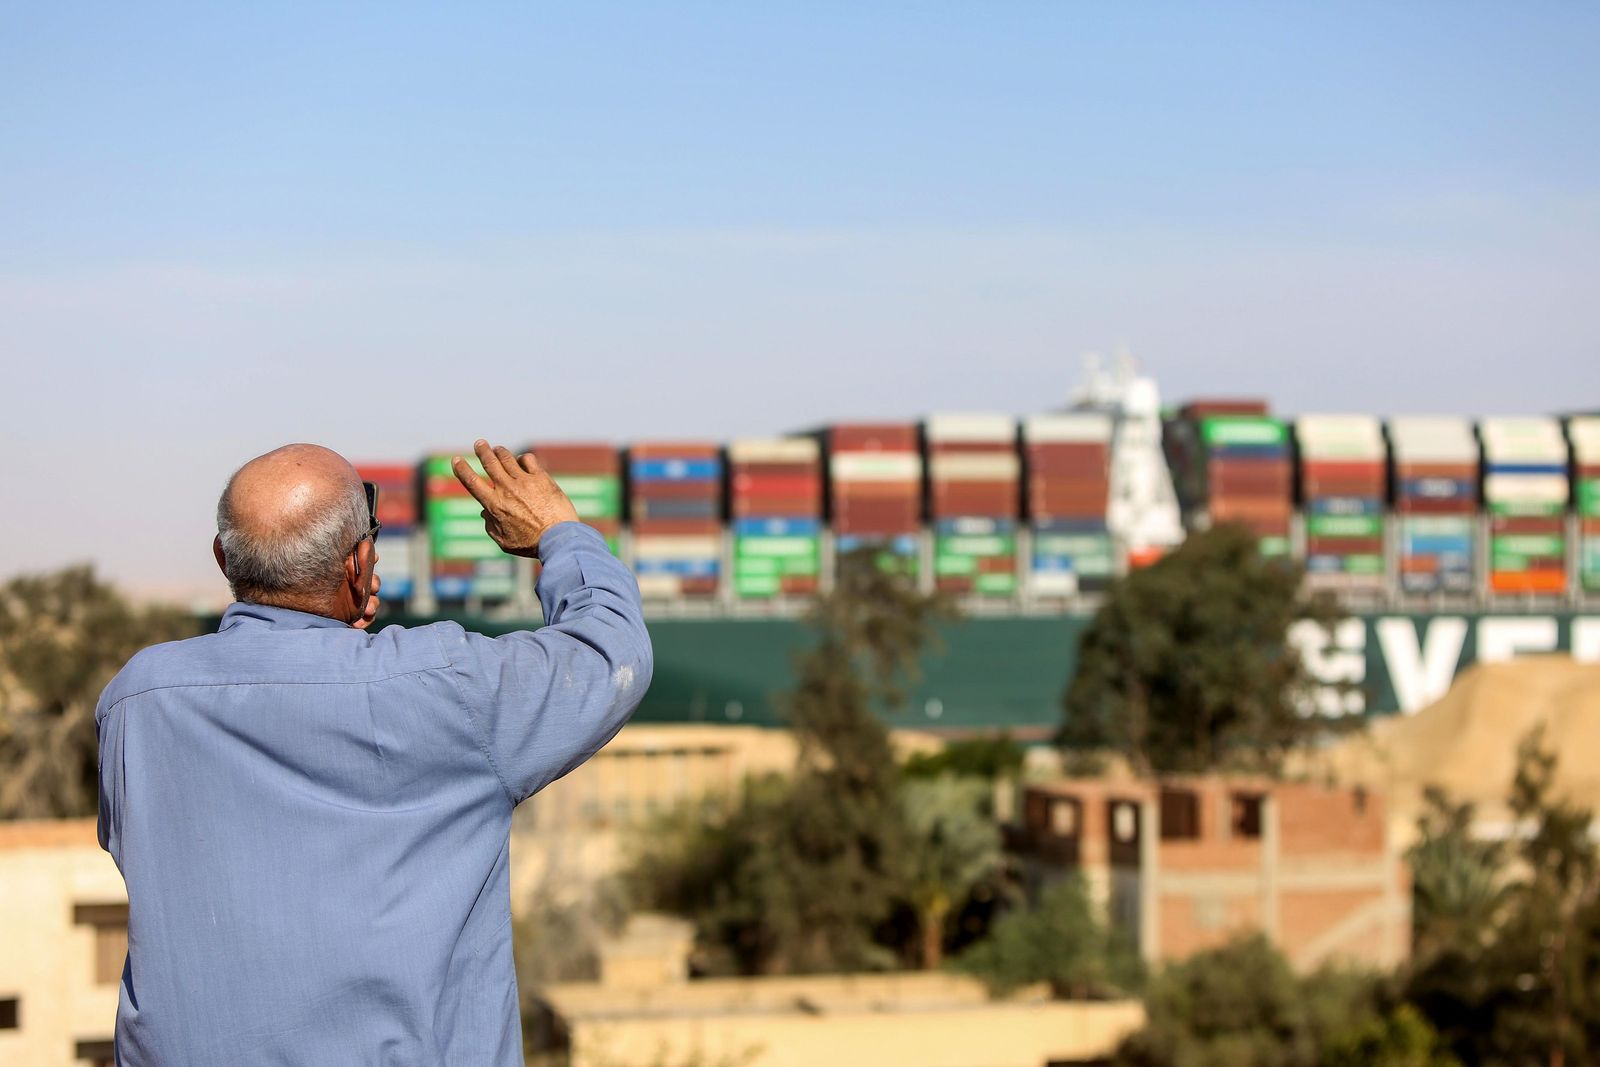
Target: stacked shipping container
1343 492
875 476
1231 464
1068 466
397 513
775 516
466 564
675 504
973 502
1435 462
591 476
1525 487
1585 434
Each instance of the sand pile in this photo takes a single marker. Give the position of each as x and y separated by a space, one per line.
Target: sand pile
1466 742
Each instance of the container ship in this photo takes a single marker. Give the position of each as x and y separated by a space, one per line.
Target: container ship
1448 540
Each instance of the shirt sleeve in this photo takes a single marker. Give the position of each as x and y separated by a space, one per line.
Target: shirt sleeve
108 724
545 700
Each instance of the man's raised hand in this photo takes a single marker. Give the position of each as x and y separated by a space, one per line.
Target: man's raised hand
520 501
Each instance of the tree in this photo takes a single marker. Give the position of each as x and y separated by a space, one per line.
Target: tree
1458 882
1187 666
953 846
1527 991
1241 1005
806 875
1401 1038
1059 940
989 758
62 638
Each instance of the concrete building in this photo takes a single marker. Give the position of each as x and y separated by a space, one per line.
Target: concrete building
927 1019
63 938
1184 864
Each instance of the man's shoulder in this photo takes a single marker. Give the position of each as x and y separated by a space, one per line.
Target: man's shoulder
153 667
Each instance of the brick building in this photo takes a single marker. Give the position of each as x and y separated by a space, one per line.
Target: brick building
1183 864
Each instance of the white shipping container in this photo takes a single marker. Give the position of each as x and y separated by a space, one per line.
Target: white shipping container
1355 437
876 466
1432 439
1585 433
979 429
659 586
1523 440
667 546
1078 427
1053 583
773 450
1525 488
975 467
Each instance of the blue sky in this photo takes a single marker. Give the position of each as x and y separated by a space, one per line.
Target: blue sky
393 227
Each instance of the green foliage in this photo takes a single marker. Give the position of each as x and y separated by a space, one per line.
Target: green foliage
805 875
1187 666
1529 991
953 846
1458 881
62 637
1401 1038
979 757
1241 1005
1060 941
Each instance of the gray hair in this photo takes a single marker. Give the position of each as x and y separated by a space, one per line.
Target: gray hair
308 559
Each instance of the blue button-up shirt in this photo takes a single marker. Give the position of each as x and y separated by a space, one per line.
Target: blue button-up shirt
313 821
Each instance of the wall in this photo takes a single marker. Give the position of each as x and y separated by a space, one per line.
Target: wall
47 869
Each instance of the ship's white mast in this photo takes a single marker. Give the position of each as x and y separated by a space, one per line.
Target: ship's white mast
1143 513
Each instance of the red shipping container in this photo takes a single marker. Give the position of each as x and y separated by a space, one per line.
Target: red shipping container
578 458
1199 409
1344 546
697 585
1359 470
954 502
1423 505
872 437
1527 524
776 507
677 490
957 448
797 585
1460 471
676 527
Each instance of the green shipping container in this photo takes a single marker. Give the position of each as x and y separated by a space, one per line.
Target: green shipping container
751 586
1363 563
1531 545
1589 497
1274 546
1344 525
987 546
1525 508
1221 430
789 547
996 584
595 496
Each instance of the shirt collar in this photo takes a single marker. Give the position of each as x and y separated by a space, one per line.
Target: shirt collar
275 618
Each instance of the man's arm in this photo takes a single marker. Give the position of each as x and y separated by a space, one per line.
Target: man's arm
546 701
108 724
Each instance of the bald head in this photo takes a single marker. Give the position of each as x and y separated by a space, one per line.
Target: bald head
286 522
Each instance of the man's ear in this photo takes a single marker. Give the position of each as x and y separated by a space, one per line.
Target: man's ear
216 550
